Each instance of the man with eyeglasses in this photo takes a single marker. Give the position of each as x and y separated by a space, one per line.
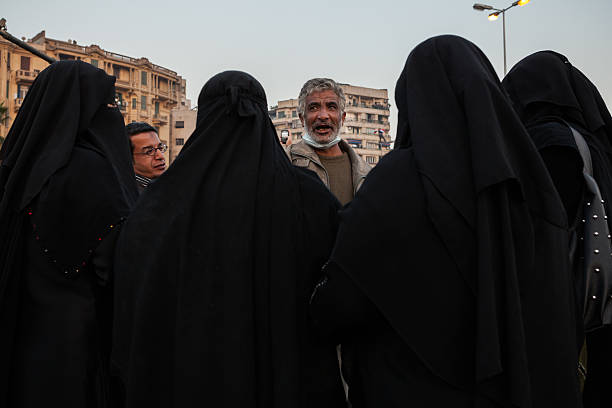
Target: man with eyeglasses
147 153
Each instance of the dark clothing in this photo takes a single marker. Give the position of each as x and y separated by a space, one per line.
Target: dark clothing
470 279
548 94
67 182
142 182
216 265
70 367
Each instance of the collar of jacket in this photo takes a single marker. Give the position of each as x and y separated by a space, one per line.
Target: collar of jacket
359 168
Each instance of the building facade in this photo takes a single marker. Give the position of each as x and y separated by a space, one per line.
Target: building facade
144 91
366 127
182 125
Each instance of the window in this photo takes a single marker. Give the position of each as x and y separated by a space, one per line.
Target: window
25 63
180 141
294 114
156 108
134 103
116 71
7 90
179 124
143 103
66 57
281 114
143 78
370 159
94 62
272 114
8 63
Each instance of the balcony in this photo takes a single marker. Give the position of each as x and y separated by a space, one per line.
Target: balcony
160 119
26 76
161 92
123 84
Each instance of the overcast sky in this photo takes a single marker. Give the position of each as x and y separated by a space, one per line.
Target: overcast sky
284 43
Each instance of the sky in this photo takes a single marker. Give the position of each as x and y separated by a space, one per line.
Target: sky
285 43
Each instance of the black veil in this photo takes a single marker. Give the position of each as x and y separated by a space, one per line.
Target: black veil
211 291
47 189
493 205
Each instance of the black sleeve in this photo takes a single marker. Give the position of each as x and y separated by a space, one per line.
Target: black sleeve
565 167
339 309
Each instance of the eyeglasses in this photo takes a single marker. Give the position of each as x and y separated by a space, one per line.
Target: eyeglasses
150 151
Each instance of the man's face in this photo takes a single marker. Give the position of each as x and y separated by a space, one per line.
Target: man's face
144 165
322 118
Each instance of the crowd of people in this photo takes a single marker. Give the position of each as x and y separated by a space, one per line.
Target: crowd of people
472 267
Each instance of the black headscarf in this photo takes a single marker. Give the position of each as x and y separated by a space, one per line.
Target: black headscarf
211 290
485 186
50 184
546 87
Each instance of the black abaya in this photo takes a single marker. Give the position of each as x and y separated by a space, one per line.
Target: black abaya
549 93
215 267
473 285
66 182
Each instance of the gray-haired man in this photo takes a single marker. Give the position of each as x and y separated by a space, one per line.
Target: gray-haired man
321 111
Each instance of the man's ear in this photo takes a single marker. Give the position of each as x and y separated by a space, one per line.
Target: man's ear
343 117
301 118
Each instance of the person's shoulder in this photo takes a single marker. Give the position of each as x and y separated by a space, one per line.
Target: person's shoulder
299 147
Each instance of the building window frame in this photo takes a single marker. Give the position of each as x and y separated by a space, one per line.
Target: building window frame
25 63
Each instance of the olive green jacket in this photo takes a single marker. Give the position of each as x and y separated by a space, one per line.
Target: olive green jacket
303 155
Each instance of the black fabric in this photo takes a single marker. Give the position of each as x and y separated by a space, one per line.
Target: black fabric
215 267
545 87
65 181
548 91
565 168
500 323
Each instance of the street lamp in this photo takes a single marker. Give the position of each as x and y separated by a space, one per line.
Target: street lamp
495 15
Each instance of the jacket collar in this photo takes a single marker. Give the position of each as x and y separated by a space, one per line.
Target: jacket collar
359 168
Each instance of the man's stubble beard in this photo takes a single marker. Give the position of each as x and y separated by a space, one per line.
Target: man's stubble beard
331 137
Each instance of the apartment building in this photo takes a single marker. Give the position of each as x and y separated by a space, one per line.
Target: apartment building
144 91
366 127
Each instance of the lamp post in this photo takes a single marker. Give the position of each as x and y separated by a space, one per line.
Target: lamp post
494 15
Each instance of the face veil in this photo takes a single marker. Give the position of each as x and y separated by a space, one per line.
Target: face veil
489 199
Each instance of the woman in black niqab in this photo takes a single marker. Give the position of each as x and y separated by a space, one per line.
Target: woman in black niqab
65 182
215 267
550 94
470 301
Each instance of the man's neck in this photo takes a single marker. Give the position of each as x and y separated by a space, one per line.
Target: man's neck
331 152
